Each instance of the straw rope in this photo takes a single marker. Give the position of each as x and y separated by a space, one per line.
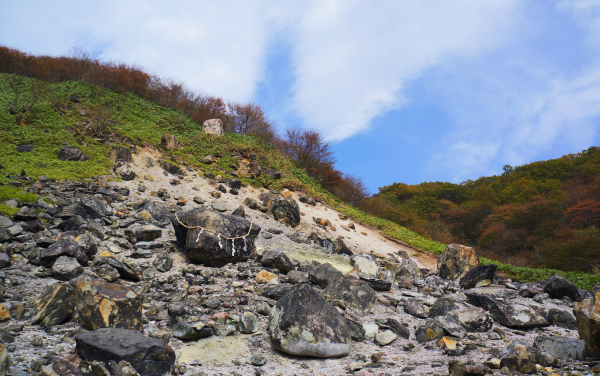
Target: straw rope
216 233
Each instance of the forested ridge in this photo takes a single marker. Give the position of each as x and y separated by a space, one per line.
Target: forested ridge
542 214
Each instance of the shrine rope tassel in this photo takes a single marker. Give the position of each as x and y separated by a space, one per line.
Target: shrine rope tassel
216 233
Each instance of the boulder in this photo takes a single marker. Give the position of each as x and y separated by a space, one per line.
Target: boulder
451 326
587 314
323 274
459 367
560 318
163 262
25 148
473 319
121 153
124 171
509 313
66 268
148 356
55 306
365 264
477 275
206 236
443 306
415 307
168 142
159 212
340 247
519 356
71 153
75 210
63 247
456 261
107 305
142 233
408 270
187 331
213 126
303 323
26 213
286 210
96 207
429 330
106 259
170 167
558 287
560 347
277 260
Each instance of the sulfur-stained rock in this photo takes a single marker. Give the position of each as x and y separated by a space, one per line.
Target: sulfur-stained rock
429 330
208 244
149 356
106 305
587 314
55 306
304 323
456 261
168 142
4 314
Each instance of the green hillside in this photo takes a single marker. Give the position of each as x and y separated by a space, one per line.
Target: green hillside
103 119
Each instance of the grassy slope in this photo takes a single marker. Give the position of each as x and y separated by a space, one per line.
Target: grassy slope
55 122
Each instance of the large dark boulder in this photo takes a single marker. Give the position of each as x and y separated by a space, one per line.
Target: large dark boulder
71 153
558 287
142 233
456 261
206 236
149 356
66 268
170 167
478 274
286 210
323 274
303 323
159 212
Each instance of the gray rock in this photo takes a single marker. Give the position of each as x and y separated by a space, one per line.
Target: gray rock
71 153
451 325
55 305
26 213
408 270
96 207
473 319
519 356
66 268
558 287
5 222
5 260
239 212
213 126
121 153
276 260
415 308
286 210
248 323
297 276
429 330
149 356
187 331
399 329
162 262
218 206
124 171
365 264
251 203
303 323
142 233
64 247
323 274
385 338
561 348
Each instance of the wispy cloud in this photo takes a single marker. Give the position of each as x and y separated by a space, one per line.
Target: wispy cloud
353 59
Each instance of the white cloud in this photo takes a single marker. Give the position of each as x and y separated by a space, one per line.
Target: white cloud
353 59
218 48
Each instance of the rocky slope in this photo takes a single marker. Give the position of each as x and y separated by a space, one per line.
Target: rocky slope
168 271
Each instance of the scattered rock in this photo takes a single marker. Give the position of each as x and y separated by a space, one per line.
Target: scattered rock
71 153
55 306
213 126
286 210
476 276
561 348
588 324
168 142
558 287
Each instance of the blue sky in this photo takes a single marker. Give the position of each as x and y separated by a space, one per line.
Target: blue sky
406 91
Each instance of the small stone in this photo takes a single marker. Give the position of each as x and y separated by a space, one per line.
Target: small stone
385 338
258 360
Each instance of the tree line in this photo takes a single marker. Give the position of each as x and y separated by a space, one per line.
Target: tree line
306 147
542 214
